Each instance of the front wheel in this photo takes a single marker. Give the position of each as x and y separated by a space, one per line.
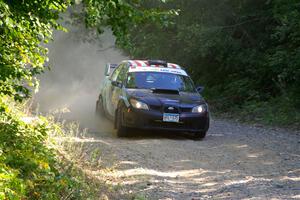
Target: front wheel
199 135
121 130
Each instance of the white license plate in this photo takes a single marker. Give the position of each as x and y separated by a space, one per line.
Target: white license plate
170 117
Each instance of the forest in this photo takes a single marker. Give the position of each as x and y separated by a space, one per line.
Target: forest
246 54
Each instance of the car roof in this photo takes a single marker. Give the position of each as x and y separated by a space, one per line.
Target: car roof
154 63
154 66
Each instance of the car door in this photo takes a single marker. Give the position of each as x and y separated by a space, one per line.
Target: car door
118 89
110 90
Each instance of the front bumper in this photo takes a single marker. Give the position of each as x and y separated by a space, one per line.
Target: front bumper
151 119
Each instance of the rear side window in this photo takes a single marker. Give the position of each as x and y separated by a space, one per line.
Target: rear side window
115 74
123 74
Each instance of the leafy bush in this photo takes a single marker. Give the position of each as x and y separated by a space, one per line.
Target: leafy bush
28 167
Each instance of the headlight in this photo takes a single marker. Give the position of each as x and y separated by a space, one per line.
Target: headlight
138 105
200 109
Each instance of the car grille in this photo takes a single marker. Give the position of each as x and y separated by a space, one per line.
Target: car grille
157 108
181 125
167 124
185 110
176 109
170 109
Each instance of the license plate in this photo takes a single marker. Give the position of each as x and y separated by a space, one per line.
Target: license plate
170 117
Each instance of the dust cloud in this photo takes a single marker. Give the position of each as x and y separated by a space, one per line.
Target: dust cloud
77 68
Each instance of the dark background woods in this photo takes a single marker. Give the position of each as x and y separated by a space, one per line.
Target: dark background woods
246 54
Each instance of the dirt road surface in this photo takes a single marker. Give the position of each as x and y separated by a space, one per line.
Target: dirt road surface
234 161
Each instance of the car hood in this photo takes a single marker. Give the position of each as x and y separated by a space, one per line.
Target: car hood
183 99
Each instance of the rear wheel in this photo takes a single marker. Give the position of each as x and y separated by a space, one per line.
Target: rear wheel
99 107
121 130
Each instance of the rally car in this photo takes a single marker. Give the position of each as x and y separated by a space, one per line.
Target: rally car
152 94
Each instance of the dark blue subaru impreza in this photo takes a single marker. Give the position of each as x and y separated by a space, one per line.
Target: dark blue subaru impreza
152 94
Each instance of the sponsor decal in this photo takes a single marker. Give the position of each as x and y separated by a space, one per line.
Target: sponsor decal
158 69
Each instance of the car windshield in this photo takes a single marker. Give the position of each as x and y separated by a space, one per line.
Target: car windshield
157 80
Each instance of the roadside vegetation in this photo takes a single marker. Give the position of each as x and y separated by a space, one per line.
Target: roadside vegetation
31 166
246 54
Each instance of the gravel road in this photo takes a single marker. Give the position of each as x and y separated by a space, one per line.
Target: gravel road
234 161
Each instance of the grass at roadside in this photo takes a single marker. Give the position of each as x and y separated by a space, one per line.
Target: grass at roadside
30 165
29 168
278 112
87 155
38 159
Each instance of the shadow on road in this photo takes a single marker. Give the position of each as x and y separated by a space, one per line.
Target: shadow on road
138 134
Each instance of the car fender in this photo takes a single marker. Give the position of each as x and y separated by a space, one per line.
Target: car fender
103 87
105 94
103 105
123 97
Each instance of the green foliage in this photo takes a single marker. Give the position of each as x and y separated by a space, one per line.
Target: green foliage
28 167
121 16
242 51
24 26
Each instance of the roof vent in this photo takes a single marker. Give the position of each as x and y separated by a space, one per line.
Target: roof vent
158 62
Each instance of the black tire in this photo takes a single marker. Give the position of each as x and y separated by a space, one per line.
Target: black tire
99 108
199 135
121 130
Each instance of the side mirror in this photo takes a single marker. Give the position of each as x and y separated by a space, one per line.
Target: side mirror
116 84
109 68
200 89
106 72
